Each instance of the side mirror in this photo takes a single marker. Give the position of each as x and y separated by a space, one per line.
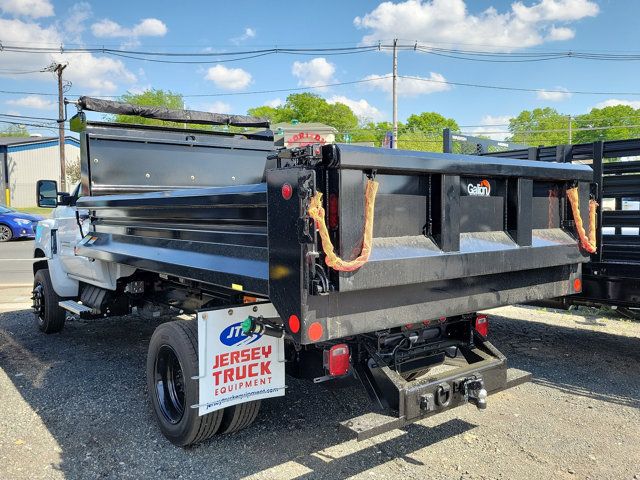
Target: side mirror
47 193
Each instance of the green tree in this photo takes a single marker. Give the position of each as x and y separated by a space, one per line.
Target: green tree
423 131
617 122
431 122
540 126
270 113
373 132
309 107
15 131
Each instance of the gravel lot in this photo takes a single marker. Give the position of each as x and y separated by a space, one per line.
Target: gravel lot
74 405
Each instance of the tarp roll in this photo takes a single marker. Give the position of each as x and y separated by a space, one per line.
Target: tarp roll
159 113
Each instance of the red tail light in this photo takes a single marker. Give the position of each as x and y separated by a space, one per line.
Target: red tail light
333 211
482 325
336 360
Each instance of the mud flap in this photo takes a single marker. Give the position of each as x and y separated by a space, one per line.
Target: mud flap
235 368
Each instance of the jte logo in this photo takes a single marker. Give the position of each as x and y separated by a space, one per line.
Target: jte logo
232 335
482 189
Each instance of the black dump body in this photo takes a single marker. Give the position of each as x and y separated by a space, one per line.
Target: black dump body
613 275
210 208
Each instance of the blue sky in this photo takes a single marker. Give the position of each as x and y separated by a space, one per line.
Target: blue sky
205 26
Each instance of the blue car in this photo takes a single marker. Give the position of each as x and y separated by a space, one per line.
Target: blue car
15 224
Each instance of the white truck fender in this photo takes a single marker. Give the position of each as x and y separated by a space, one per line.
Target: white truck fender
62 284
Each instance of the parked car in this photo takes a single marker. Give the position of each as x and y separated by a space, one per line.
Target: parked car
14 224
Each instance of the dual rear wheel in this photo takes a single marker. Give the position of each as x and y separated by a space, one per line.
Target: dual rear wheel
172 365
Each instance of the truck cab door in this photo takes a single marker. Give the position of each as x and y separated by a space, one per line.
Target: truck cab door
68 236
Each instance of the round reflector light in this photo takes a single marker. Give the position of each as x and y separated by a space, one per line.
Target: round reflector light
577 285
294 323
287 191
315 331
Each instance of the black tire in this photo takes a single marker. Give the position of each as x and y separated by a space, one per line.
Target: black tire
6 233
172 361
49 315
239 416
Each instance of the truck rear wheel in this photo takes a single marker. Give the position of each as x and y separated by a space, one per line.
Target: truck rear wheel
49 315
172 361
239 416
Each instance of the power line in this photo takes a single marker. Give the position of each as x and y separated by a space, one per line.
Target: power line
26 116
364 80
19 72
515 89
491 55
15 92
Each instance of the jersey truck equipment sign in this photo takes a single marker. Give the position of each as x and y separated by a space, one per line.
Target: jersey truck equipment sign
234 367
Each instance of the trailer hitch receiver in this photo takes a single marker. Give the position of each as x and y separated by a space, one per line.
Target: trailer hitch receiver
484 372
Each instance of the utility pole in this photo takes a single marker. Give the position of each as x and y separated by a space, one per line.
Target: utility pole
63 170
395 93
570 131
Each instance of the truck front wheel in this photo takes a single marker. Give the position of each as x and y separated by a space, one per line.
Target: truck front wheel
172 362
49 315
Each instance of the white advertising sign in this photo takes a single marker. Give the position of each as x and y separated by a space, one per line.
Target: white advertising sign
236 368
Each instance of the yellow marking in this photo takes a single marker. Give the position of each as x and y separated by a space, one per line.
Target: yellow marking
235 286
7 196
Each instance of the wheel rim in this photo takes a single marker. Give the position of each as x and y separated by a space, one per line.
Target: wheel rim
5 233
38 302
169 383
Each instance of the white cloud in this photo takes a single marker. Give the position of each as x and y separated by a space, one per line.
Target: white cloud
147 27
555 10
91 73
493 126
138 89
558 34
409 87
314 73
448 21
99 74
229 78
557 95
363 109
616 101
248 34
33 101
27 8
276 102
74 21
218 107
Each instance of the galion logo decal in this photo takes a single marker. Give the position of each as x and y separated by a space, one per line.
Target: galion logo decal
482 189
233 336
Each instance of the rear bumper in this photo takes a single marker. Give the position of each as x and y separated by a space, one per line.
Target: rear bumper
485 372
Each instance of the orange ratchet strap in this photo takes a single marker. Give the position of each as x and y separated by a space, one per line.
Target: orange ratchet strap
316 211
587 243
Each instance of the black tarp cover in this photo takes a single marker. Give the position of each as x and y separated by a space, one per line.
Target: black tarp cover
159 113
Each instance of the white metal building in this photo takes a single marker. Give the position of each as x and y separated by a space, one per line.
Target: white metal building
25 160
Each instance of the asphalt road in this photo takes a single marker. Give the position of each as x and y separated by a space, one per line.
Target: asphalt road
74 405
16 260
